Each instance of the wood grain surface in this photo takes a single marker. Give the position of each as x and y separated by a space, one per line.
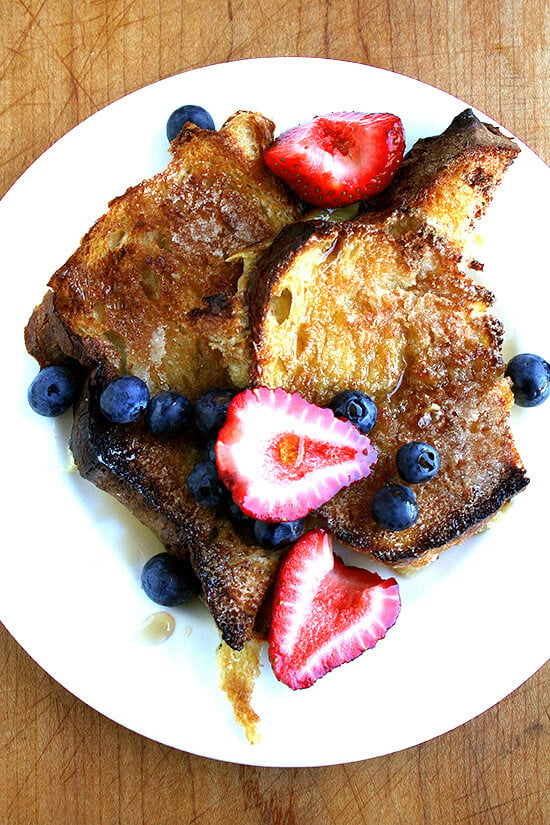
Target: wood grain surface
61 762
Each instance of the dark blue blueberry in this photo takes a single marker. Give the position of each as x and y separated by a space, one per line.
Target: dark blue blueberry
205 485
211 410
53 391
417 462
168 580
237 516
394 507
209 450
188 114
356 407
273 535
530 375
168 414
124 400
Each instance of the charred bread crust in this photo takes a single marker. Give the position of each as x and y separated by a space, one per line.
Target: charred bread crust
49 341
121 299
458 526
149 476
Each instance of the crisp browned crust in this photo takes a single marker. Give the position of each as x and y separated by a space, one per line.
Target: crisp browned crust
456 528
149 476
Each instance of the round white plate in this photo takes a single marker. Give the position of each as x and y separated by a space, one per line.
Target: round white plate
474 625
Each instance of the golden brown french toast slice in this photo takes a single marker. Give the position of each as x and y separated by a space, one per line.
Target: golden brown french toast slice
414 333
159 252
149 476
350 306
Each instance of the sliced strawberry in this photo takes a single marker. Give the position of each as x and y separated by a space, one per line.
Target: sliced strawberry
340 158
281 457
325 613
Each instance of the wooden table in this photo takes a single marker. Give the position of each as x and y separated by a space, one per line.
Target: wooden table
61 762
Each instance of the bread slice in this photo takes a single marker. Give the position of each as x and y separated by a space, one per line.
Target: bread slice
161 251
149 476
349 306
443 187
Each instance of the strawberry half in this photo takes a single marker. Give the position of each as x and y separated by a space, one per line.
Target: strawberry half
282 457
325 613
340 158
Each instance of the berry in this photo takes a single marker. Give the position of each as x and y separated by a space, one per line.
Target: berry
168 580
209 451
53 391
281 457
211 410
530 376
188 114
340 158
205 485
394 507
417 462
168 414
124 400
324 612
356 407
273 535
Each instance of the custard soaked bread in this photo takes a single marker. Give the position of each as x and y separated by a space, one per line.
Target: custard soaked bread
159 252
350 306
447 181
149 476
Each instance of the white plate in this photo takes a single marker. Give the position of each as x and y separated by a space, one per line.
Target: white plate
473 626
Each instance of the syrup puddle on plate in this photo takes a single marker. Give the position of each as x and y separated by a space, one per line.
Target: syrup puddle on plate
156 628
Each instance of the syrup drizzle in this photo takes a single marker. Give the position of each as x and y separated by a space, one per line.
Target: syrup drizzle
157 627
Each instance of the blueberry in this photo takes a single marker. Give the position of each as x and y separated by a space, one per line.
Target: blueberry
211 410
168 414
53 391
188 114
168 580
530 375
417 462
124 400
237 516
209 450
205 485
394 507
273 535
356 407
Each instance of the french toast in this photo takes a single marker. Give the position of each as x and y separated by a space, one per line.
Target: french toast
334 307
225 322
149 476
446 182
158 253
